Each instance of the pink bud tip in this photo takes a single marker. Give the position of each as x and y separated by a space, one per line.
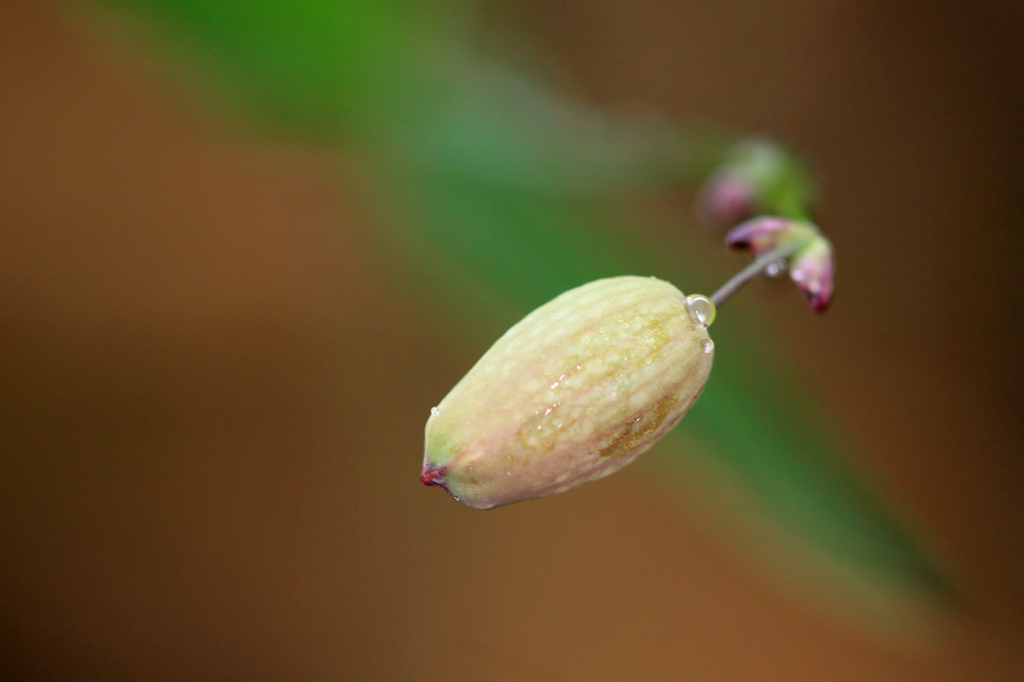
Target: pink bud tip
433 475
813 270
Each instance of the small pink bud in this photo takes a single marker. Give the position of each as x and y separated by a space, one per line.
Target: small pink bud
813 270
755 176
811 264
760 235
728 200
576 390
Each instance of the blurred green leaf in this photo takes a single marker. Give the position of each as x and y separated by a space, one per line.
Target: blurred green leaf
318 67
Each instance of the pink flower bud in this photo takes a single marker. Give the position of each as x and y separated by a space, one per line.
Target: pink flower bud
755 175
576 390
760 235
811 265
813 270
727 200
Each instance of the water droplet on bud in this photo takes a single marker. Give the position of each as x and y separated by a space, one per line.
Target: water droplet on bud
777 268
708 345
434 411
701 309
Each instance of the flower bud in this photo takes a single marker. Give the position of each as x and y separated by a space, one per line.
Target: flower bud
761 235
812 267
757 177
576 390
728 199
813 270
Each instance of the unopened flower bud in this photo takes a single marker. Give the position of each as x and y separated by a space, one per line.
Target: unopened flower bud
761 235
576 390
813 270
757 177
727 200
811 264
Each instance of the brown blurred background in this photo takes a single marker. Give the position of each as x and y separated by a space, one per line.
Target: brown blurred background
212 391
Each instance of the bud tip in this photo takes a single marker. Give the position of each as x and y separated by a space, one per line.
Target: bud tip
434 475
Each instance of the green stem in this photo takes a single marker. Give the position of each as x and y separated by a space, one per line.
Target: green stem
748 273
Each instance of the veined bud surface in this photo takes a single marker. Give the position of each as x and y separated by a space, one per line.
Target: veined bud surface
576 390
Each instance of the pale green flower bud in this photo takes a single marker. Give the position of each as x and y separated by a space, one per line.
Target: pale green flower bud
578 389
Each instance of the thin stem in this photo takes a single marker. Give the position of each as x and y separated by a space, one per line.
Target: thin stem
753 270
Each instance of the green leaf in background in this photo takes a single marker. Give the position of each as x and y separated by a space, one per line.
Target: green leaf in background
496 180
316 67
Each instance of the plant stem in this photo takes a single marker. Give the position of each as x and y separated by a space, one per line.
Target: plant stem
753 270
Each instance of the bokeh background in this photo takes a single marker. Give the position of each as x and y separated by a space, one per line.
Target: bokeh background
245 246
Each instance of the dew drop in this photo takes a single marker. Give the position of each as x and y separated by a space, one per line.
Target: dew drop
434 411
701 309
777 268
708 345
